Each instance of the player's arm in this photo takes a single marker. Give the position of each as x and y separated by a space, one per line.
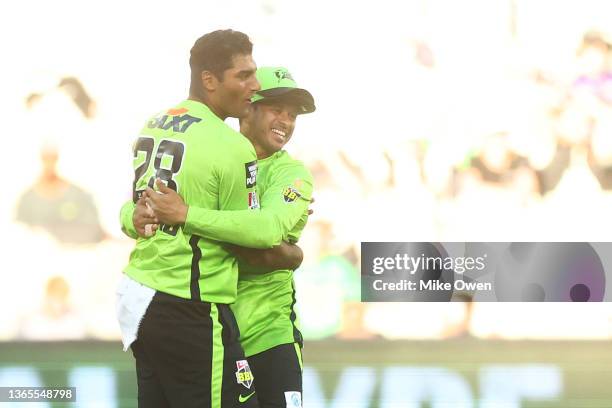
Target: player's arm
135 217
283 256
125 216
282 207
287 255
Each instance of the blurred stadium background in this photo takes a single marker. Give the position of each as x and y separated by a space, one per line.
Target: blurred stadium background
473 120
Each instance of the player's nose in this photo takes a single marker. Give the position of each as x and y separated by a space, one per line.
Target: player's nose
254 85
285 117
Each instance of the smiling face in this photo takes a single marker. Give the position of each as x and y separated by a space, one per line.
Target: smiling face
269 126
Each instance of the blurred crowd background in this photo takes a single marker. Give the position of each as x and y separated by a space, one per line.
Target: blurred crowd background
479 120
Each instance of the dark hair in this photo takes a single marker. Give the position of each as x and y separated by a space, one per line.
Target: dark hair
214 52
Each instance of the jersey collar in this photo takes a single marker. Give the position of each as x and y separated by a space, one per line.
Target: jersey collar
199 109
271 157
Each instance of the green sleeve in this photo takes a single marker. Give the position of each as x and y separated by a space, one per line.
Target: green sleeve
284 202
127 225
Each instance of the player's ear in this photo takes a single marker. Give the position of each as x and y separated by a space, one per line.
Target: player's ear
209 81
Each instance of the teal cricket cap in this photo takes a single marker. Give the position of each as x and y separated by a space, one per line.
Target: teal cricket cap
277 84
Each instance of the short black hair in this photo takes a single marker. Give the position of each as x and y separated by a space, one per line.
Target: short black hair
214 52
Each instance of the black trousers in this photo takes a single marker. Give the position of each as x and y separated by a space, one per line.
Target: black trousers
279 376
188 355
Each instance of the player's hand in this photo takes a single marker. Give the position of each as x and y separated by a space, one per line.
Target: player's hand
168 207
310 210
144 220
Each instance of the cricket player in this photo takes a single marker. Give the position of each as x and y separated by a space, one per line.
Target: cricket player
173 301
265 308
266 299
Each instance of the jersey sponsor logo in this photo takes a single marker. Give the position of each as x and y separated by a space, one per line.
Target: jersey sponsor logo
290 194
251 174
242 398
293 399
244 376
253 200
178 123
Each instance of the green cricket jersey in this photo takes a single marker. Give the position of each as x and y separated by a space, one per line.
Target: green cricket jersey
264 308
212 167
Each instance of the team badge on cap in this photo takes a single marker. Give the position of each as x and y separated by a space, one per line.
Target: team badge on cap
278 84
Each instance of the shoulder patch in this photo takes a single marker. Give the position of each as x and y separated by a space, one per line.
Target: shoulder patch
290 194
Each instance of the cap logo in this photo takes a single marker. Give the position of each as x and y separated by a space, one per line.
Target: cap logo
282 74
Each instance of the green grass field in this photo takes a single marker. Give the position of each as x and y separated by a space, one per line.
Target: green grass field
454 373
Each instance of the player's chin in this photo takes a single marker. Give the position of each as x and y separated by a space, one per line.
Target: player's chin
243 110
276 145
